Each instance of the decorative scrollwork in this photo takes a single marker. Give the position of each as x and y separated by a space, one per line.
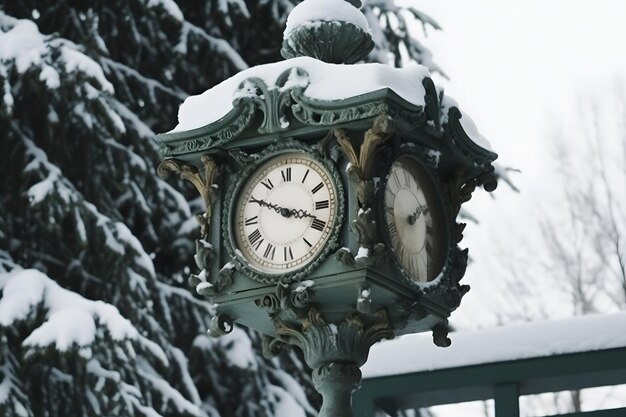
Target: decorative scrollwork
220 325
205 184
269 302
272 346
346 341
367 235
361 164
273 102
440 335
360 171
363 301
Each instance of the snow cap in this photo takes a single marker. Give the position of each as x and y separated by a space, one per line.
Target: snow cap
333 31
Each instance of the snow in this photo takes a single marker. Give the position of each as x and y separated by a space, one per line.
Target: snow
28 47
467 123
5 388
363 253
417 353
38 192
50 76
75 60
325 10
472 131
190 387
286 406
345 81
142 259
23 43
170 7
203 286
166 391
70 318
238 349
325 82
294 389
304 285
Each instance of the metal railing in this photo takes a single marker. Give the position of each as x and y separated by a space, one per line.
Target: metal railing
503 382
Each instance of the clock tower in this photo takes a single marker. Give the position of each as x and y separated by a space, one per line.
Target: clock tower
332 191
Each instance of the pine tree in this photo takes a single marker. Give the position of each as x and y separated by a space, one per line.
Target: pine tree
95 314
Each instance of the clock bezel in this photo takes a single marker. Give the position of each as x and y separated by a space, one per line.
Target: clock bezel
420 157
229 226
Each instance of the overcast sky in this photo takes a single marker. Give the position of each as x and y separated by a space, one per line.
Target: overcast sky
518 68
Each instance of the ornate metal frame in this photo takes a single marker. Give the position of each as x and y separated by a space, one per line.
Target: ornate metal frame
285 146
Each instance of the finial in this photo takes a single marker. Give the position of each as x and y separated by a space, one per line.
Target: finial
333 31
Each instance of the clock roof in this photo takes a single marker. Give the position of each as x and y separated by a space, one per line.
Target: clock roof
318 80
305 92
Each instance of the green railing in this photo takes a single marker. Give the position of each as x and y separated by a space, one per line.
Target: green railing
503 382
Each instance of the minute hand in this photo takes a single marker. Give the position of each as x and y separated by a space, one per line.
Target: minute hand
285 212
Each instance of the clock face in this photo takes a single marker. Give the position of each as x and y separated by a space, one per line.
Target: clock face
285 213
412 216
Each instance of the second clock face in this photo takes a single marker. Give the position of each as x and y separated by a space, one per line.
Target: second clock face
412 218
285 213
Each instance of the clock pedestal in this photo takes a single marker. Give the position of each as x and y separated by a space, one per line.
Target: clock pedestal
368 248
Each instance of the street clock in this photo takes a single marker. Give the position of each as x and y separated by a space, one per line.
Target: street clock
331 198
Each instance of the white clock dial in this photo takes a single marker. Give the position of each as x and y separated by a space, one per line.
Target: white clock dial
409 211
285 213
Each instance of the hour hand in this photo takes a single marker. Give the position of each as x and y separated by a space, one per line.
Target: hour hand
285 212
416 214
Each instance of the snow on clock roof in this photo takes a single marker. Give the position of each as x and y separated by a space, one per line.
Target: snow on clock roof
417 353
325 82
325 10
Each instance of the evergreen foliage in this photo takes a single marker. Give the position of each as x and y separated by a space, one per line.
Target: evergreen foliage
95 315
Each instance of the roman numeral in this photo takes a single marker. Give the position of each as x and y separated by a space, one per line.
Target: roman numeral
305 174
286 174
254 238
317 187
401 253
307 242
287 254
393 231
251 221
268 184
269 251
389 210
395 177
318 224
413 266
319 205
407 179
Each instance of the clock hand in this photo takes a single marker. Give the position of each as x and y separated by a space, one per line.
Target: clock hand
285 212
416 215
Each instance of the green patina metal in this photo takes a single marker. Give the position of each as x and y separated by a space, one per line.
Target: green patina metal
348 301
328 41
502 381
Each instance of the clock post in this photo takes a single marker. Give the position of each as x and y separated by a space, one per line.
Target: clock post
331 198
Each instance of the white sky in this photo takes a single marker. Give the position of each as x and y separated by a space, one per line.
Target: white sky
517 68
